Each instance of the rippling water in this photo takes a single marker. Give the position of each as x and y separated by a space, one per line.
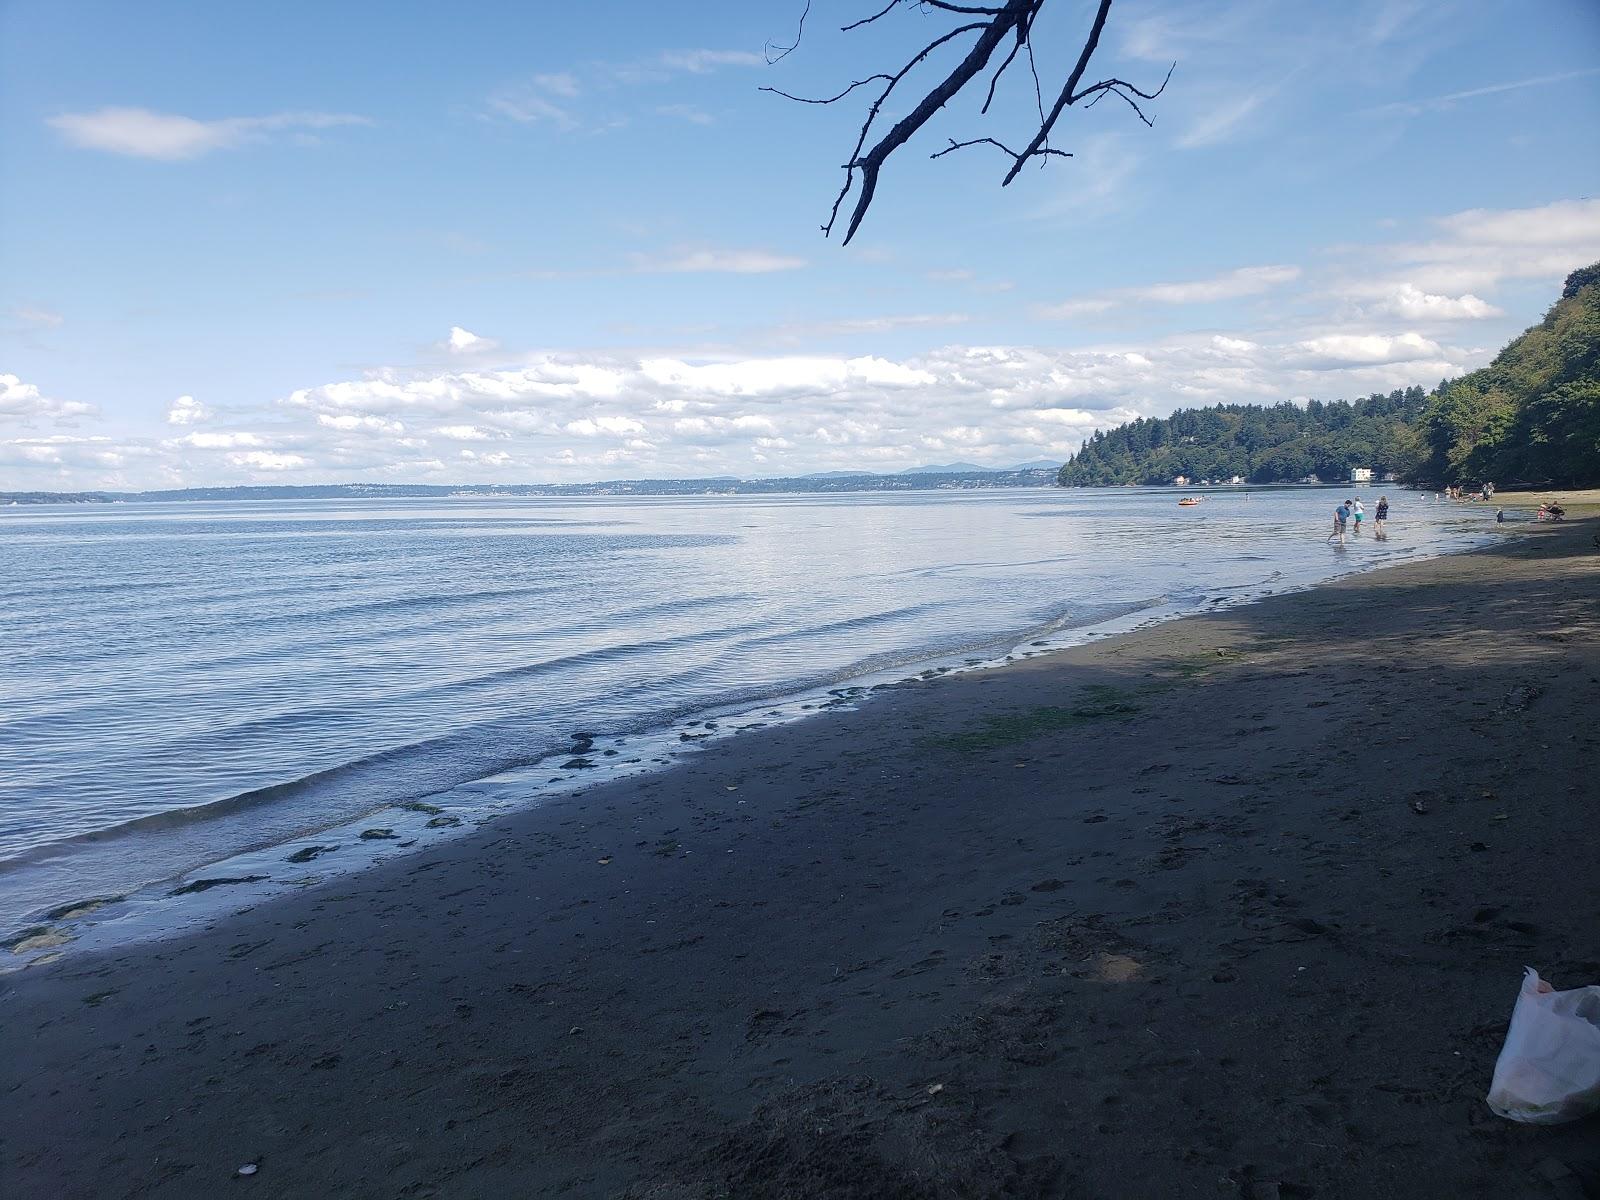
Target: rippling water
181 681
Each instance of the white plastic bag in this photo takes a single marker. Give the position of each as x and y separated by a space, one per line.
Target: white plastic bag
1549 1069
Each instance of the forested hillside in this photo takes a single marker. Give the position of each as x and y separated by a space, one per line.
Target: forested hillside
1265 444
1530 418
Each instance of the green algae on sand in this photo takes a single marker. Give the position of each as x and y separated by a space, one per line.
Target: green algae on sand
1101 703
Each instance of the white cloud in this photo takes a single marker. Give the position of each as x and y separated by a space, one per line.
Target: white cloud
221 441
350 423
170 137
186 410
269 460
467 433
781 376
462 341
1246 281
732 262
23 401
64 457
602 425
1413 304
1478 248
1230 285
1346 350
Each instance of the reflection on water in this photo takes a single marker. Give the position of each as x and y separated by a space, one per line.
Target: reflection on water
168 666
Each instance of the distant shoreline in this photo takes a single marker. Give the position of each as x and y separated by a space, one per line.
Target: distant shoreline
831 484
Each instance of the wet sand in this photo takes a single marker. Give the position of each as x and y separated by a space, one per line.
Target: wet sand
1233 906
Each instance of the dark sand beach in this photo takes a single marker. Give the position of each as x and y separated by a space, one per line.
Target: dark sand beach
1233 906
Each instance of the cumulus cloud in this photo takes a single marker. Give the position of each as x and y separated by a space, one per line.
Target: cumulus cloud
24 401
221 441
269 460
171 137
1413 304
462 341
1349 349
186 410
603 425
570 417
595 416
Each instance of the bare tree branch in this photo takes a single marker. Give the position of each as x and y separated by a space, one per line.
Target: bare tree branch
783 52
883 12
1014 19
955 145
871 163
827 99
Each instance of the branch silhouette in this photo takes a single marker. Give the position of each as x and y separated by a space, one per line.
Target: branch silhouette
1012 21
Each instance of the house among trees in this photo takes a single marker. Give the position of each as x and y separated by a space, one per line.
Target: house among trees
1360 474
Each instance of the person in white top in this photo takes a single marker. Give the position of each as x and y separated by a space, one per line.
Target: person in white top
1360 512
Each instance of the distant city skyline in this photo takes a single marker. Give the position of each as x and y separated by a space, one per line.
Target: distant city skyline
298 245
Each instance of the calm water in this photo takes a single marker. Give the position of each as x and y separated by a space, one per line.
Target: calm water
183 681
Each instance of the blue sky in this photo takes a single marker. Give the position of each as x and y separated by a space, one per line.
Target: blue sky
308 243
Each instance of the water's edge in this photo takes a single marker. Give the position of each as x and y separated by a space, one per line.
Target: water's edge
202 893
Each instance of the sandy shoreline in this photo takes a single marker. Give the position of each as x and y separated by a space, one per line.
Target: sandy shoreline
1238 900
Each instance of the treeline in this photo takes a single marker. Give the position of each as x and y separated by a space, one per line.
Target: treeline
1278 443
1531 418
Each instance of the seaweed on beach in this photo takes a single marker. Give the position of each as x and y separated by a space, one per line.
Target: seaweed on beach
1101 703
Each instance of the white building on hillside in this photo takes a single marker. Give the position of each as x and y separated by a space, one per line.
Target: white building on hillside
1360 474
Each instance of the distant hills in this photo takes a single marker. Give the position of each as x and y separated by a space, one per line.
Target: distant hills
1531 418
962 468
953 477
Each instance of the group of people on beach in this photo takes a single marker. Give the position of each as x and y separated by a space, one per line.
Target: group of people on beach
1352 513
1485 492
